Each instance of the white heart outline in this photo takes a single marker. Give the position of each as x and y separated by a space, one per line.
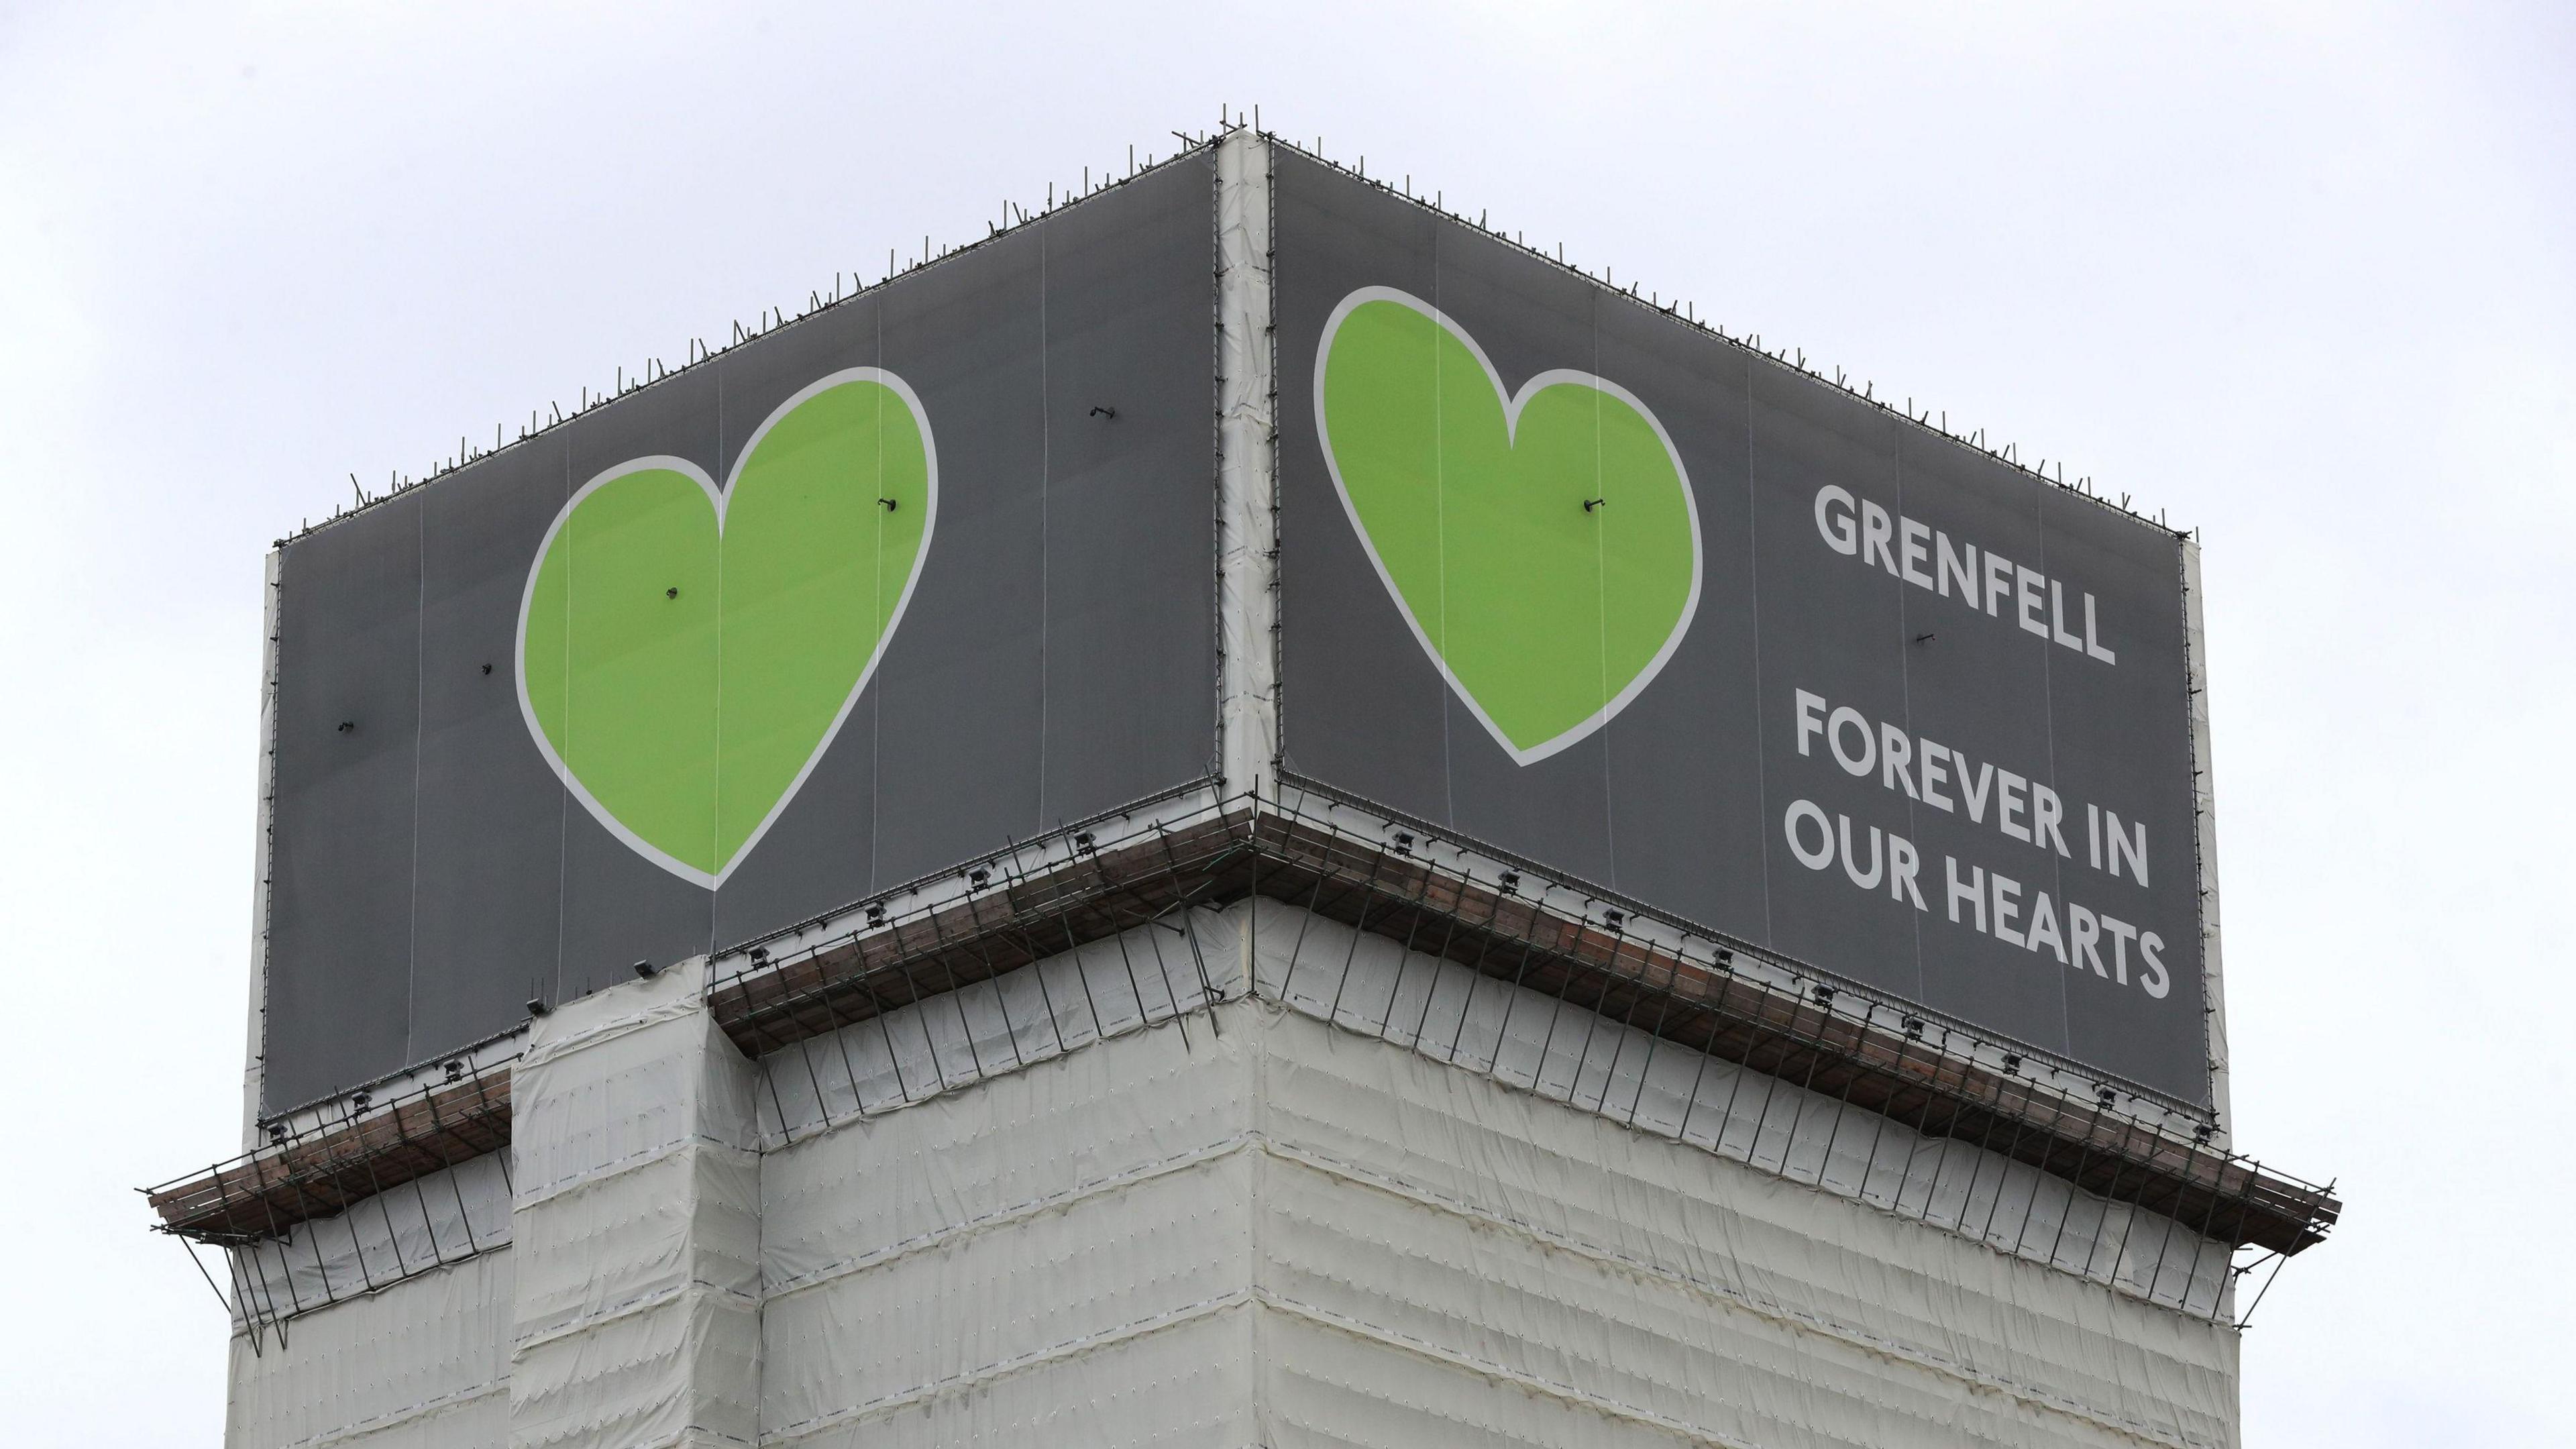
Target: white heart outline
719 498
1512 405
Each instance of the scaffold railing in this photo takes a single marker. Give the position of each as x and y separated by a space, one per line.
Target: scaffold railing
1348 861
375 1147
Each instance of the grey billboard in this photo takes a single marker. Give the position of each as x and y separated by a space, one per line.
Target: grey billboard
934 570
1576 579
893 585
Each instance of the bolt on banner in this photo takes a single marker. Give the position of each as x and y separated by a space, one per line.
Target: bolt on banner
1583 582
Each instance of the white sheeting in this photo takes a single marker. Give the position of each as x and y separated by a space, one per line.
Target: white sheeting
1050 1219
1247 490
637 1231
1376 1201
1427 1256
1150 974
2204 811
1453 1252
422 1365
1531 1041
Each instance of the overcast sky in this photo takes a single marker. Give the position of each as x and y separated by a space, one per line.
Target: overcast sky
2303 277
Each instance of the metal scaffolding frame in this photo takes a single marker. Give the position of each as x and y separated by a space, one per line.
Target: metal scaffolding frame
1344 860
256 1205
931 942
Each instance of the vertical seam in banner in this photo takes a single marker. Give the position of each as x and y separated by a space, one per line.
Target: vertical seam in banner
876 700
1753 601
1440 523
2048 714
1905 694
563 795
877 604
419 727
1601 602
716 860
1046 472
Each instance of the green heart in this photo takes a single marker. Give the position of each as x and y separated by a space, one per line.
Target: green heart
1543 545
686 655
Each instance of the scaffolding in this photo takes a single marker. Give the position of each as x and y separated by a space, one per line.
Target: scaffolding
1338 858
1345 860
265 1207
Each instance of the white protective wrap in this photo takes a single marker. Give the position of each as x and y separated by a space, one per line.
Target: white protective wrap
1531 1041
253 1061
1446 1260
2204 800
1372 1201
1247 484
1430 1255
1059 1256
637 1231
422 1365
1110 987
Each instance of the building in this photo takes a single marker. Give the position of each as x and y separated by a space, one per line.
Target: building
1253 815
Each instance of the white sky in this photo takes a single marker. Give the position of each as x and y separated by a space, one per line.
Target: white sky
2303 276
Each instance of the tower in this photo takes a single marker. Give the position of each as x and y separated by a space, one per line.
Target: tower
1246 813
